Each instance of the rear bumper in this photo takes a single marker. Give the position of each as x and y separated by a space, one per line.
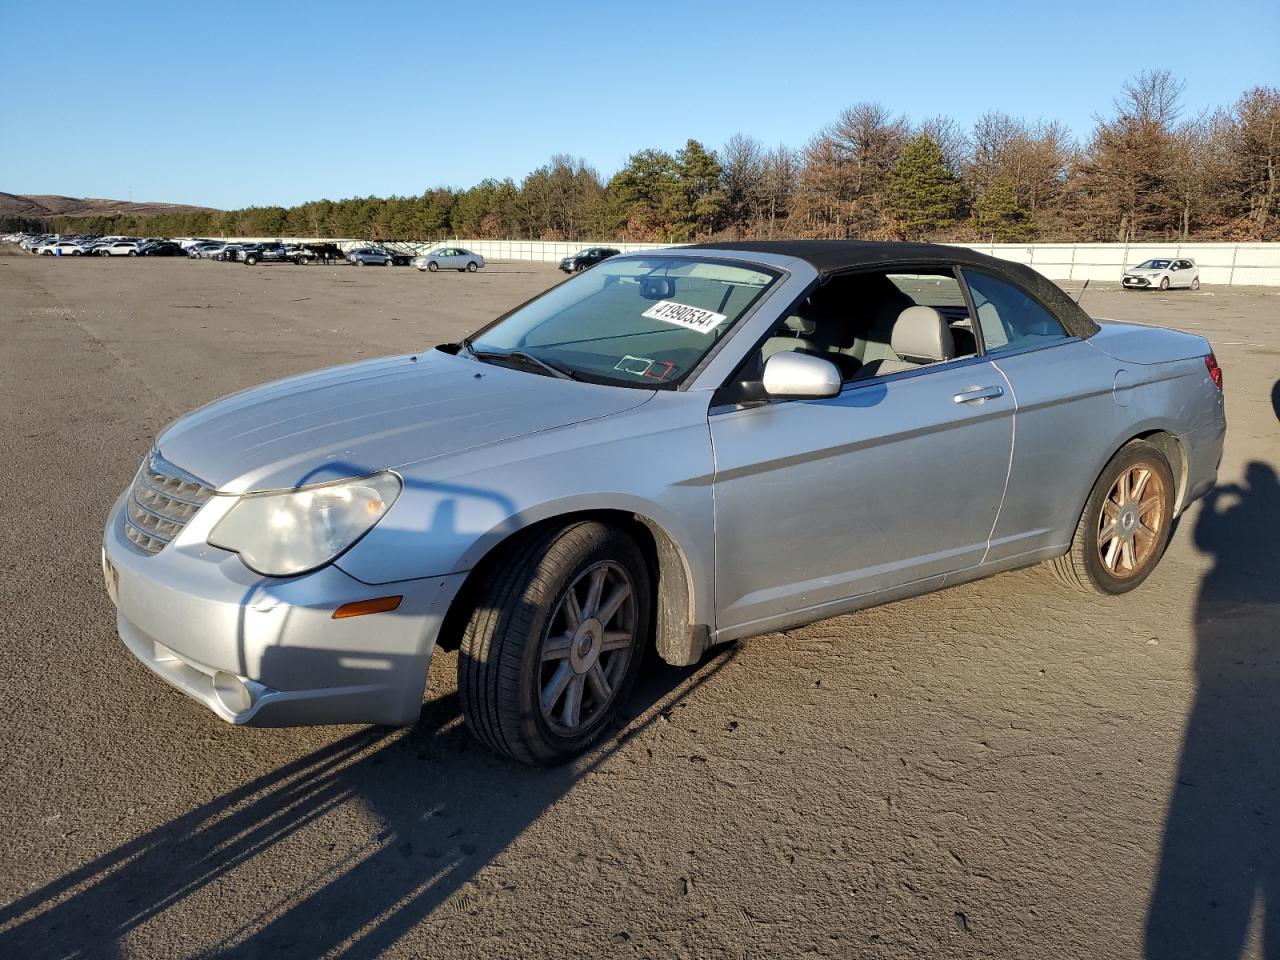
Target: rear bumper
267 652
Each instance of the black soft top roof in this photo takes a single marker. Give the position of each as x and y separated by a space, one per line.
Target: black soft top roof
831 257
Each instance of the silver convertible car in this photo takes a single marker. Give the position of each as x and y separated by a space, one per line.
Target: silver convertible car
672 450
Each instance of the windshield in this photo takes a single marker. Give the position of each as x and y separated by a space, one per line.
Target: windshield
1153 264
636 321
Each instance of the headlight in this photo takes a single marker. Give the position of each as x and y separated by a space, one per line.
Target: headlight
282 534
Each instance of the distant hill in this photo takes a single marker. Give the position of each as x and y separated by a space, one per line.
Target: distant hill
41 206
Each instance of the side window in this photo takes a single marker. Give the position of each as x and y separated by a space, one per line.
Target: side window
1008 316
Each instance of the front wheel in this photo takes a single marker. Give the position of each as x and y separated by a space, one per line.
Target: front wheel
1164 283
1126 523
553 647
359 263
250 261
471 267
133 253
433 266
1195 284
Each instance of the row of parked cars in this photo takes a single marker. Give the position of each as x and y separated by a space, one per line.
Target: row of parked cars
94 246
250 254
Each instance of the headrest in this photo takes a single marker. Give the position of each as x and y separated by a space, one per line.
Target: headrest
801 326
921 334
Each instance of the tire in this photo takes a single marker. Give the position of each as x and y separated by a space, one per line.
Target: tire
388 262
471 267
250 261
1195 284
433 266
75 253
1164 283
1119 564
359 263
133 253
522 698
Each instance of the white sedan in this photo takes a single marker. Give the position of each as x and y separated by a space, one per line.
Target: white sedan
449 258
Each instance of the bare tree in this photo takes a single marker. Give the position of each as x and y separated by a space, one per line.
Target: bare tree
951 140
742 179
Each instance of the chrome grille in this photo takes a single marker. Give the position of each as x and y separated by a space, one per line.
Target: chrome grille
161 501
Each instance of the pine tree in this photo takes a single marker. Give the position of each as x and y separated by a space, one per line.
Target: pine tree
998 217
922 192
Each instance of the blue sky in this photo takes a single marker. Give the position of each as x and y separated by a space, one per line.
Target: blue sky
231 104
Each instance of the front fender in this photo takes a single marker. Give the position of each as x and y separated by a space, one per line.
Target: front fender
654 462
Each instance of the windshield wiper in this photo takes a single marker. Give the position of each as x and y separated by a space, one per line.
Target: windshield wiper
520 357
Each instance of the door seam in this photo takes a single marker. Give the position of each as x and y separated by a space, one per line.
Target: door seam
1013 443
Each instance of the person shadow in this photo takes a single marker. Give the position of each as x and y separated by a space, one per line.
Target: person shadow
444 808
1220 864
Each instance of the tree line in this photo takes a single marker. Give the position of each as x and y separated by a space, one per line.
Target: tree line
1145 172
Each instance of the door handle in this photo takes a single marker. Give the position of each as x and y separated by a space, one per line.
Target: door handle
973 394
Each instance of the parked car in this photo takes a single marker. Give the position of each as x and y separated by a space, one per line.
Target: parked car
449 258
165 248
266 253
205 249
59 248
370 256
281 555
1163 273
587 258
229 252
321 253
118 248
298 254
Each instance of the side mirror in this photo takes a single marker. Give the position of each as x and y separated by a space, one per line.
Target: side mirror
797 376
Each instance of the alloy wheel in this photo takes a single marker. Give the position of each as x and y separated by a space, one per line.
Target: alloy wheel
1131 520
590 639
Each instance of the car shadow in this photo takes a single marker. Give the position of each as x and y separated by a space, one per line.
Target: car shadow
1220 863
445 808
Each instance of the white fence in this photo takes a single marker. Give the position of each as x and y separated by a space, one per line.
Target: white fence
1220 263
1224 263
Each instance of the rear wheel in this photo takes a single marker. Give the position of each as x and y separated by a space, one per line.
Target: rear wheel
552 650
1126 523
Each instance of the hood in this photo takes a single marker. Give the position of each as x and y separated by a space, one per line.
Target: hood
353 420
1145 271
1139 343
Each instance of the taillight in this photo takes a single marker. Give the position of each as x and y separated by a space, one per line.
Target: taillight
1215 371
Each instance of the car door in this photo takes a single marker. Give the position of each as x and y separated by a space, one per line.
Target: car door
1064 390
896 481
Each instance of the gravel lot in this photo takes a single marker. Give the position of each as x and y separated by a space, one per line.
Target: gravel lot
997 770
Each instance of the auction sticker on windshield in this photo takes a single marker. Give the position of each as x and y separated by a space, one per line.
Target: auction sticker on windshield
682 315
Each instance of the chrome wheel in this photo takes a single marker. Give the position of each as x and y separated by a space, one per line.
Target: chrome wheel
1132 520
590 640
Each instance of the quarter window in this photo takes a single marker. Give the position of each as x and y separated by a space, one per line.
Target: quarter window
1009 317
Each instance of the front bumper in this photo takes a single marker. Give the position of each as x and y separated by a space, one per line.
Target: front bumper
265 651
1140 283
